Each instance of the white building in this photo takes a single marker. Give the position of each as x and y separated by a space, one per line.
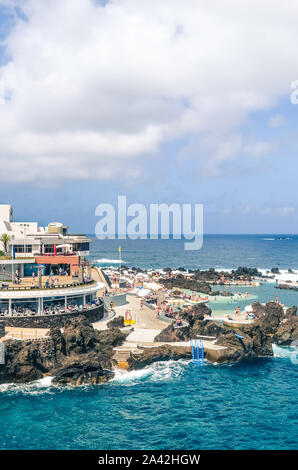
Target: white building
28 239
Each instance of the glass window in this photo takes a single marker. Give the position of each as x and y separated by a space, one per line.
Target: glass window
48 248
24 306
3 307
23 248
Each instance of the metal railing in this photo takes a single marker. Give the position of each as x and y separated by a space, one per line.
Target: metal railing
44 287
51 313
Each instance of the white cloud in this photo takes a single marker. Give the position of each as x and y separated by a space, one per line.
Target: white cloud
278 211
94 90
216 154
258 149
277 121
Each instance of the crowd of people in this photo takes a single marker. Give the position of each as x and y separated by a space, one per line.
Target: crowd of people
53 280
51 309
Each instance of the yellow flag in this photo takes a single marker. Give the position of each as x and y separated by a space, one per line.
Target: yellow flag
119 249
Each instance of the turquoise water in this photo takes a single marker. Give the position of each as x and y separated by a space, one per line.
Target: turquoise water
263 293
166 406
171 405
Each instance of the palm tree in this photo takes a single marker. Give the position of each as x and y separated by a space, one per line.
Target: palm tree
5 239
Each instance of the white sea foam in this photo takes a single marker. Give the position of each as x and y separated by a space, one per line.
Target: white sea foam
45 382
157 372
285 352
107 260
32 388
277 238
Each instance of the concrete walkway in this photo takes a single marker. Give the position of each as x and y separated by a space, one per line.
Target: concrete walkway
142 335
24 333
145 318
102 324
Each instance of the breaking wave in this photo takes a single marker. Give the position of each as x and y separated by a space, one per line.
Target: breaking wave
157 372
107 260
289 352
32 388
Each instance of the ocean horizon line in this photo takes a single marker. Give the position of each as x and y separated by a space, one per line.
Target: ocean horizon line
115 237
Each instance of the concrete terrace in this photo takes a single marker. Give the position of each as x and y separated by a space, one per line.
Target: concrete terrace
146 328
145 318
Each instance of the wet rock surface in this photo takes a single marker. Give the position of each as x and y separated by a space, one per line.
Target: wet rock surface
79 354
160 353
287 332
286 287
78 373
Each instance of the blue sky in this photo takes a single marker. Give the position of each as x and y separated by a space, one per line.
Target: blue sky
88 115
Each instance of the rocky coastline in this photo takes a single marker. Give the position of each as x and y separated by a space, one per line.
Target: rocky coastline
82 355
78 355
272 326
287 287
202 281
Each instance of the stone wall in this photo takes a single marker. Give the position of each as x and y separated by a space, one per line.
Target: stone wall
47 321
2 328
118 299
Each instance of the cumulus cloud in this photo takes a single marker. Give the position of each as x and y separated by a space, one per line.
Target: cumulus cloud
217 154
90 91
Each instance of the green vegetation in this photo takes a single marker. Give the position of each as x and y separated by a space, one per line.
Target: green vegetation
5 239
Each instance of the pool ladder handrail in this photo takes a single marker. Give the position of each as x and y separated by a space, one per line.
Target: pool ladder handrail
197 350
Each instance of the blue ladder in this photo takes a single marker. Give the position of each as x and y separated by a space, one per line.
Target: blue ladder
198 355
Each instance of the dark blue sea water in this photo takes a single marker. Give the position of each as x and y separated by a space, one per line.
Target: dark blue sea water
218 251
171 405
166 406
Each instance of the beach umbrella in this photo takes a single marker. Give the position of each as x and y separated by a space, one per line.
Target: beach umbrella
152 286
143 292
